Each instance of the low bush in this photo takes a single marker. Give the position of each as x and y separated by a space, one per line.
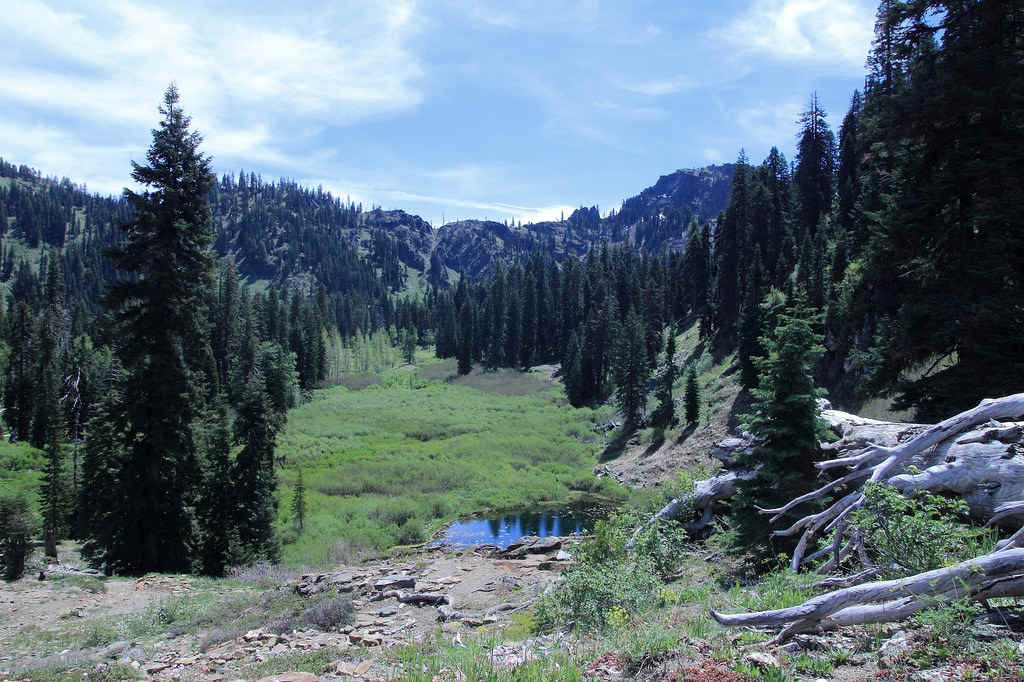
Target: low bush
612 584
915 534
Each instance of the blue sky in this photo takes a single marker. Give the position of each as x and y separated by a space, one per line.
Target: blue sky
446 108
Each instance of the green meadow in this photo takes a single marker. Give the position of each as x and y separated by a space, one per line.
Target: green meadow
389 463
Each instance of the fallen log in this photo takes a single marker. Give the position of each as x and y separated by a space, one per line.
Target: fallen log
705 495
971 455
1000 574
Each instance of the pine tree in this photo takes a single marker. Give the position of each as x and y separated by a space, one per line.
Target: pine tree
814 176
631 371
256 428
215 510
299 502
665 415
466 340
52 494
159 309
572 369
785 421
946 257
691 398
19 380
409 345
731 241
748 346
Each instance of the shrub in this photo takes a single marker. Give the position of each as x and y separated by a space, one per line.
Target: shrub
592 593
611 584
325 615
917 534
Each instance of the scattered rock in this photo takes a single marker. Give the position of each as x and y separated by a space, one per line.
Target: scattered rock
762 660
388 611
894 648
352 669
115 648
395 581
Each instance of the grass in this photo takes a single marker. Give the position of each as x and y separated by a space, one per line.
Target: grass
21 467
386 464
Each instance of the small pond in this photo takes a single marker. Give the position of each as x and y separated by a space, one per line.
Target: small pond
505 529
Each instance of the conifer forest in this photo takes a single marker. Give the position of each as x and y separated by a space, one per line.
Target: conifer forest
769 412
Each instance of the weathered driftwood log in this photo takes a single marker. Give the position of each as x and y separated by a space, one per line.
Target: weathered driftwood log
702 500
1000 574
984 466
985 471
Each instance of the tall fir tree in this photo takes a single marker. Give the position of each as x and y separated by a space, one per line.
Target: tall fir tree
298 507
159 309
631 371
665 414
691 396
814 176
785 420
256 428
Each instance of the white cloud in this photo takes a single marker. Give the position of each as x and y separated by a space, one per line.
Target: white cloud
254 85
712 155
657 88
822 31
770 121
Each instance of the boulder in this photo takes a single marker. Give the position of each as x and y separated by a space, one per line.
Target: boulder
395 581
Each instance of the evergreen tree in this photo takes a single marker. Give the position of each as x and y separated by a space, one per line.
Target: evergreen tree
665 415
159 309
572 369
731 240
943 197
785 421
52 495
19 380
691 398
631 371
299 501
256 428
466 339
215 510
409 345
814 177
748 346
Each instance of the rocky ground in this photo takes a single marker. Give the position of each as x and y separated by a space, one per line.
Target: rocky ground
394 602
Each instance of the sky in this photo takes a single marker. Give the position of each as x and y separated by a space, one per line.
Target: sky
450 109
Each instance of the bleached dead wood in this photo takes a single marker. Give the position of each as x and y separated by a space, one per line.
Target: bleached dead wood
1000 574
972 455
985 471
702 500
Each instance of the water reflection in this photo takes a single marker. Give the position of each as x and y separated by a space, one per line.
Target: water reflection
504 530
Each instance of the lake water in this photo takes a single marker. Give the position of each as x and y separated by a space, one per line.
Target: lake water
504 530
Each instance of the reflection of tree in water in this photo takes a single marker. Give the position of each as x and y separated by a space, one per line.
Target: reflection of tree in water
549 524
531 523
495 526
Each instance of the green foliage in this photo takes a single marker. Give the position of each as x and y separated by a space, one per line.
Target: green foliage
383 465
631 371
611 584
786 423
18 527
298 507
691 397
160 317
917 534
941 194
